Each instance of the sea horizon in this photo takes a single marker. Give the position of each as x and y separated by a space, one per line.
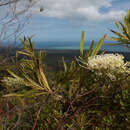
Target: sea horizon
72 45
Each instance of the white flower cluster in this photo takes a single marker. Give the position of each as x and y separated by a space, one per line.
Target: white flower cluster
13 82
108 64
106 61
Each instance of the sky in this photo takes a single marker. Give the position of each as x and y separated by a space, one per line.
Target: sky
64 20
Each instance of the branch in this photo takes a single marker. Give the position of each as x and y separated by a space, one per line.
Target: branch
39 111
9 2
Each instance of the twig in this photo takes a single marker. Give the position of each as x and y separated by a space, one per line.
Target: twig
17 123
37 116
39 111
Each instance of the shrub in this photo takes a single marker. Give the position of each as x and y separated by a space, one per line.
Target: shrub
87 94
123 36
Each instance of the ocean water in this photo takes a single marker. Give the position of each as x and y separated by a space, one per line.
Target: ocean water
52 45
76 46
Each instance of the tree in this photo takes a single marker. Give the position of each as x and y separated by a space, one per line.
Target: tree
14 15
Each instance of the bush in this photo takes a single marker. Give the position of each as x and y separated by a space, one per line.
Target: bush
91 93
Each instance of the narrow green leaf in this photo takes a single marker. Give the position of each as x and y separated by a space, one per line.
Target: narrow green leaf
91 48
114 39
72 66
23 53
64 63
118 26
124 30
44 79
82 43
98 46
116 33
13 74
112 44
103 52
32 83
13 95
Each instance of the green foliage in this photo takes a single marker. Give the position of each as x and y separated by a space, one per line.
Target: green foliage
123 38
78 98
92 50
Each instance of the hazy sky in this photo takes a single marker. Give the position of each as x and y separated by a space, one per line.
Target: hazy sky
63 20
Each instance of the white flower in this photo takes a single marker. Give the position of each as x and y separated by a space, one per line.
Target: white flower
13 82
111 76
106 61
108 64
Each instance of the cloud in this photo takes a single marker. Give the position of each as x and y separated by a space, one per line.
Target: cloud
78 9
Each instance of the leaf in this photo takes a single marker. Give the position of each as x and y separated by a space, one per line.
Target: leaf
125 30
116 33
13 95
118 26
13 74
112 44
82 43
72 66
32 83
44 80
31 44
91 48
114 39
23 53
64 63
98 46
103 52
